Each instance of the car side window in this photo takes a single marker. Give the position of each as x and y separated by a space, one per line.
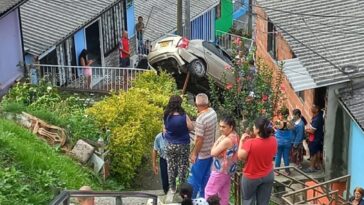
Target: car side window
217 51
211 47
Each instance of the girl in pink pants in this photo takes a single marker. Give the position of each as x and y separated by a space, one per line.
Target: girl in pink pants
224 165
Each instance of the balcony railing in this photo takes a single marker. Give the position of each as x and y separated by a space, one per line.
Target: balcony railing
226 41
67 197
102 79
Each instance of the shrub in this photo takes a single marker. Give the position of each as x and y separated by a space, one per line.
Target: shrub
134 118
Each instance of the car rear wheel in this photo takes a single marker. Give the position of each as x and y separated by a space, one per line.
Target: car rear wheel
198 68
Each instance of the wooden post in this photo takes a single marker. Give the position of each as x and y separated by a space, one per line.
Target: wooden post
186 82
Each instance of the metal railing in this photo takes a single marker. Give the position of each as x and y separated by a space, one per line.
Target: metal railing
227 40
102 79
287 193
65 197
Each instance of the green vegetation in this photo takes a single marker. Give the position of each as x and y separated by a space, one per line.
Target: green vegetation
134 118
48 104
31 172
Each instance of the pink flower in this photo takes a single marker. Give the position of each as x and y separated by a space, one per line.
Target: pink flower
228 67
238 80
283 87
229 86
265 97
237 41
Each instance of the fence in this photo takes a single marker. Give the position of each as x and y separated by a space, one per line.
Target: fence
226 41
102 79
286 191
65 197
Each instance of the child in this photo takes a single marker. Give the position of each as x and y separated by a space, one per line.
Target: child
186 195
224 165
159 149
298 138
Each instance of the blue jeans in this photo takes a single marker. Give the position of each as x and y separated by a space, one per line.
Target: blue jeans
283 151
199 175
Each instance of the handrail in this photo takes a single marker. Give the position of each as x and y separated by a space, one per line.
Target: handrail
64 196
95 67
231 34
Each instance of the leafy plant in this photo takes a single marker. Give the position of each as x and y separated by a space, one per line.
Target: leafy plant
251 95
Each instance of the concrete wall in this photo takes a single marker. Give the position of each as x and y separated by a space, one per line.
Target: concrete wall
11 52
284 52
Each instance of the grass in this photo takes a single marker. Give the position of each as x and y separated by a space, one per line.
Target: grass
42 171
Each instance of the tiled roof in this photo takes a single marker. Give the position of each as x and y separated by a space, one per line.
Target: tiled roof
353 99
161 15
46 23
322 29
8 5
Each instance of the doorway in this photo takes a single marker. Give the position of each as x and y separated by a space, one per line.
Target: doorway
320 97
93 43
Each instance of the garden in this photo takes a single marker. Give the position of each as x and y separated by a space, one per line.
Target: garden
33 171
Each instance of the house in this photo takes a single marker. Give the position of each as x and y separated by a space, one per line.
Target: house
320 45
11 41
160 18
224 16
55 32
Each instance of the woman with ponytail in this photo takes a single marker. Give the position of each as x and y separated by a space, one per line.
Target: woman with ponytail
258 153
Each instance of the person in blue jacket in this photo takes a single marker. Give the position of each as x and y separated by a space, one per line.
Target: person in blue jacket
298 135
284 140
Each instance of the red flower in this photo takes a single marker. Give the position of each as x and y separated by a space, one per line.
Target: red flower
265 97
238 80
229 86
237 41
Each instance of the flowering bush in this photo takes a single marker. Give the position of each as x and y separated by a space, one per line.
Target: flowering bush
253 93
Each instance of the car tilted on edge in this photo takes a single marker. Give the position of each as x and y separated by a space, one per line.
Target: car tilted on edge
179 55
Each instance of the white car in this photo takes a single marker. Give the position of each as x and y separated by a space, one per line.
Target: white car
201 58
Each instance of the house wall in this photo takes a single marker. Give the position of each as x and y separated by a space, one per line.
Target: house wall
203 27
356 155
225 22
11 52
130 15
292 101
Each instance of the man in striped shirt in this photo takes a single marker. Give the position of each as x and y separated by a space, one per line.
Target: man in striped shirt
200 157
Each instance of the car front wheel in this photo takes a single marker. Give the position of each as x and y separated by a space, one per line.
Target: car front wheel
198 68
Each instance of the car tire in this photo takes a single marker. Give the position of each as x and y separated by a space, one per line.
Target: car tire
197 68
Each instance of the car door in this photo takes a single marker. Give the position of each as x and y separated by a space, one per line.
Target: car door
216 63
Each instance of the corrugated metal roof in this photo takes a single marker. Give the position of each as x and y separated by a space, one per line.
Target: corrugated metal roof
8 5
162 15
353 99
46 23
313 37
297 75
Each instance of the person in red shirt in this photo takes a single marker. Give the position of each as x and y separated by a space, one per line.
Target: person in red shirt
258 153
124 50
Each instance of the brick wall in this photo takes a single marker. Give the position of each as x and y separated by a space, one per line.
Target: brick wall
283 52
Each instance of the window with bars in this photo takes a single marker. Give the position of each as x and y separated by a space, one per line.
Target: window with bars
112 26
271 44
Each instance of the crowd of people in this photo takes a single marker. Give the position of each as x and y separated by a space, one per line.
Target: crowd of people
211 163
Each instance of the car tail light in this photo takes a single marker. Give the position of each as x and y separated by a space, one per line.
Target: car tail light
183 43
